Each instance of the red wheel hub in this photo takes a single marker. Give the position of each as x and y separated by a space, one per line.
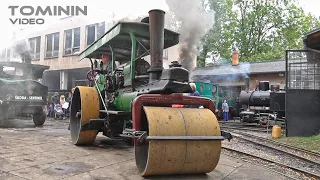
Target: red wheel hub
92 74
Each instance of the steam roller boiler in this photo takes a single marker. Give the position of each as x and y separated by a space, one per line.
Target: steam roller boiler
262 105
133 100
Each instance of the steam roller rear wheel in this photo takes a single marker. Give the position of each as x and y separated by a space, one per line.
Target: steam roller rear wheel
84 106
164 157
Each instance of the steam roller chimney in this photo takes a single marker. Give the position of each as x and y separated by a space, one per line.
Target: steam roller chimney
156 28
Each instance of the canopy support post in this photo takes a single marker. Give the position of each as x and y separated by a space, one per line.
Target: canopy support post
133 58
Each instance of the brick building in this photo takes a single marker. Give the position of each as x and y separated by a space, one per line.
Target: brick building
233 76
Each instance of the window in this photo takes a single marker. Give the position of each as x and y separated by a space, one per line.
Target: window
8 55
72 41
35 47
3 55
165 54
94 32
52 45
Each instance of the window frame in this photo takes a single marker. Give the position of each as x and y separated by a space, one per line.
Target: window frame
96 25
54 53
166 54
34 55
74 50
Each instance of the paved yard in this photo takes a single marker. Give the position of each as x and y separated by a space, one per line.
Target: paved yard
47 153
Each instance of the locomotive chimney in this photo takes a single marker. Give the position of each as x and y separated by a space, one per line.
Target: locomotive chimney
235 58
264 86
156 28
247 84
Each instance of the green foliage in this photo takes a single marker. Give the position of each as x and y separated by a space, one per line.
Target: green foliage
309 143
262 32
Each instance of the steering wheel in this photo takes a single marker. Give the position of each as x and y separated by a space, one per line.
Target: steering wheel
91 75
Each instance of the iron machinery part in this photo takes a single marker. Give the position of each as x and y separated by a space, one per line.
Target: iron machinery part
255 98
247 84
264 86
179 155
178 140
39 117
84 107
91 75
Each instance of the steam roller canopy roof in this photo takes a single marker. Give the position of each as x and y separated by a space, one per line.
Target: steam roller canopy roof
119 39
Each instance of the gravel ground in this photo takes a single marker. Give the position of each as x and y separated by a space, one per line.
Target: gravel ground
267 153
281 170
302 154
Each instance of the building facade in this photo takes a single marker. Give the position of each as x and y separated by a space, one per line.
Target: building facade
234 76
59 46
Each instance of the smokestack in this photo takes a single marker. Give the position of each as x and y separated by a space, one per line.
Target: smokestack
264 86
247 84
156 28
235 58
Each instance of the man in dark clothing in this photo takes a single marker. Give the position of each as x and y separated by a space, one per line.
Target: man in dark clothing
194 93
54 100
194 89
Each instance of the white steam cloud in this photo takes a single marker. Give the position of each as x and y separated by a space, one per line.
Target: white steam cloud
194 20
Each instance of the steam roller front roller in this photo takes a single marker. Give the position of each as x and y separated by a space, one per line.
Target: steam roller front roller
179 141
84 106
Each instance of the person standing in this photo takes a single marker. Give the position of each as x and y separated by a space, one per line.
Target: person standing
68 100
54 102
225 109
69 109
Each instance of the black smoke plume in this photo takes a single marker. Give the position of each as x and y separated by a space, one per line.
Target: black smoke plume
193 21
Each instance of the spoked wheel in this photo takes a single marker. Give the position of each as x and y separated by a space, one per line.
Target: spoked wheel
91 75
84 106
164 157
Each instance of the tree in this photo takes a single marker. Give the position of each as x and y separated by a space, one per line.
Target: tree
261 31
220 37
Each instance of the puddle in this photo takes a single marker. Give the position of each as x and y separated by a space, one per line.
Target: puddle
68 168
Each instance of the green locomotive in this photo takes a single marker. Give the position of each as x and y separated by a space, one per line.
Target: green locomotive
218 95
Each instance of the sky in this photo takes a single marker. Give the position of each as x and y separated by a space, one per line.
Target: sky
97 11
311 6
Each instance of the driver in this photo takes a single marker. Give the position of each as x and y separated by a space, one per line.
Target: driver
106 64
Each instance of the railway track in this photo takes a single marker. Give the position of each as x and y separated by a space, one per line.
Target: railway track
297 159
245 128
306 173
283 145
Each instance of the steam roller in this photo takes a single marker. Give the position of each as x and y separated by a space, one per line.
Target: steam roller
135 100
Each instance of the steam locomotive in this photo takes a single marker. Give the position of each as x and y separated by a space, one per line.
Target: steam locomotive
263 105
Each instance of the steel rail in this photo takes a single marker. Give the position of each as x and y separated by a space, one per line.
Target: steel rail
281 144
307 173
249 129
317 163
